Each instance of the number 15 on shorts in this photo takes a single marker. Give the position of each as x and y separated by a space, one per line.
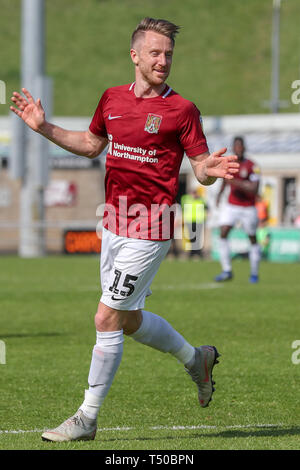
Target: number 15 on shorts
117 287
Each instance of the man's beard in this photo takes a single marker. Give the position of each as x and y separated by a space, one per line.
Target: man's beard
152 79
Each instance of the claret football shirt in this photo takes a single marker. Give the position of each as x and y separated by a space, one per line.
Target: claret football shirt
147 141
248 170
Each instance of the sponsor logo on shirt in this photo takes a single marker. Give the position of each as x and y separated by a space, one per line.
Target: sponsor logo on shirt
153 123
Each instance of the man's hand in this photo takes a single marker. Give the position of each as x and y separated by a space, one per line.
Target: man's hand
208 168
219 166
30 111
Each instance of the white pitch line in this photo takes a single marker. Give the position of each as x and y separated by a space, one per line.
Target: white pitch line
155 428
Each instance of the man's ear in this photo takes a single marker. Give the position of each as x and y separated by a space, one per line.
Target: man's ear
134 56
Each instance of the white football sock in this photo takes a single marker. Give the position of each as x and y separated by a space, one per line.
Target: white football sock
225 257
157 333
106 358
254 258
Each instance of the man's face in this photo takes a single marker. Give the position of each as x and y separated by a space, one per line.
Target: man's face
238 149
152 56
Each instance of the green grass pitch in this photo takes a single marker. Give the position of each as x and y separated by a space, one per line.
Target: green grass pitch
47 308
222 59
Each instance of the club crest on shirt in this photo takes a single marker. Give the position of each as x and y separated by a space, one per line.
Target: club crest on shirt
244 173
153 123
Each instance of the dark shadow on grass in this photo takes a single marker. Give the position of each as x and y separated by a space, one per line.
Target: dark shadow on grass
31 335
260 431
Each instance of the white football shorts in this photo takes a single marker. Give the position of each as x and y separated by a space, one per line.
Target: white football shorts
247 216
127 269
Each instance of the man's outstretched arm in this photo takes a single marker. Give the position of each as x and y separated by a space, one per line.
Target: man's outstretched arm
83 143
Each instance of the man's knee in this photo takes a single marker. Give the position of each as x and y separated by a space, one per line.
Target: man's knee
224 232
253 239
109 319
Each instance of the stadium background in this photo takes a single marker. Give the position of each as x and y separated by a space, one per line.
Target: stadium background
222 62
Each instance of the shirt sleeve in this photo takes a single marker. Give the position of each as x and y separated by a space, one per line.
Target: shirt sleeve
191 133
97 125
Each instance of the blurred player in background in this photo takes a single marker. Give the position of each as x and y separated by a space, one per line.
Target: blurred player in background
148 127
240 208
194 208
263 233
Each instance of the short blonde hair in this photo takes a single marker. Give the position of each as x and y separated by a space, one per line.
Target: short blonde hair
163 27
